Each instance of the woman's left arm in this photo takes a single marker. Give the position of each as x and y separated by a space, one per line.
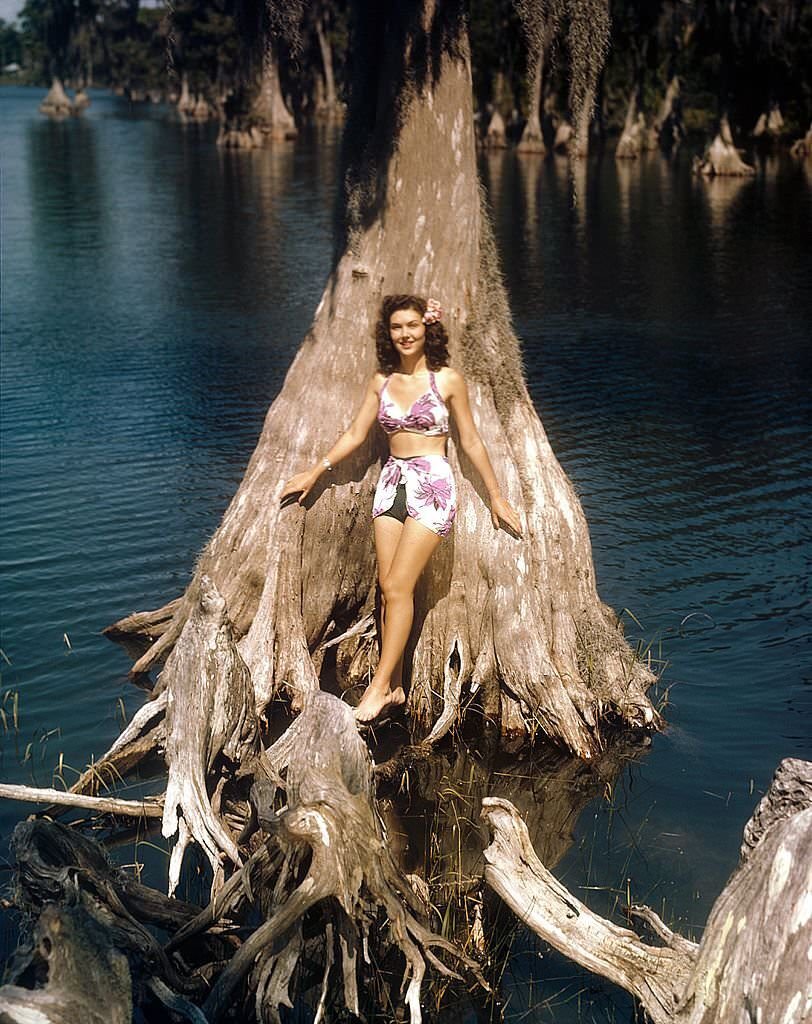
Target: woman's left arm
475 450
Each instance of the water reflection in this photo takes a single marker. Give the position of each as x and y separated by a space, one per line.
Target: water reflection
433 803
67 200
721 194
530 170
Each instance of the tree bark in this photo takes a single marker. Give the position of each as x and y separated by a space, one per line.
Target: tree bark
752 963
521 614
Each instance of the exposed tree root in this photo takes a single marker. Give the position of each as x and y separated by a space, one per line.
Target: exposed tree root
209 719
81 964
144 624
320 842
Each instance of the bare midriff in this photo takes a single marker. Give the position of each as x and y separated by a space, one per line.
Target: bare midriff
405 444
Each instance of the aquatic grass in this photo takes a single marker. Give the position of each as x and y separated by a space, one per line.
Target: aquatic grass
10 706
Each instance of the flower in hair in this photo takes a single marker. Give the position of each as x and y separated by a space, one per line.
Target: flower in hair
434 312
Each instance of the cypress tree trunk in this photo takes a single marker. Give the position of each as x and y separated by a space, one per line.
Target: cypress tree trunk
722 157
329 107
631 139
520 619
532 140
56 102
269 112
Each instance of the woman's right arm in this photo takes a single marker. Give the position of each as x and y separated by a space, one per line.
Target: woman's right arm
351 439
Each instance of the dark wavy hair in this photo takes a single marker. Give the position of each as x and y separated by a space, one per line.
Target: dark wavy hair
436 337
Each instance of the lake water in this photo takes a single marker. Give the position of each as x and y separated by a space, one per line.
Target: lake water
154 290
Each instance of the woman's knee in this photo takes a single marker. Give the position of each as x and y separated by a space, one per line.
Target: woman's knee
394 589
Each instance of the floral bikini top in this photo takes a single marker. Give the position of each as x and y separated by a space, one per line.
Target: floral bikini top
428 414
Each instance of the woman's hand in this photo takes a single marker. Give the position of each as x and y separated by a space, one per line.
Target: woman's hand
302 483
504 511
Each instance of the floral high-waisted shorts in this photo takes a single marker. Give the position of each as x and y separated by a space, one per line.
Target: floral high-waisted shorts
431 495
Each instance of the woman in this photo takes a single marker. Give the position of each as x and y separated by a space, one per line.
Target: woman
415 500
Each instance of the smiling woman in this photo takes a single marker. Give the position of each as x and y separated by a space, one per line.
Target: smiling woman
415 500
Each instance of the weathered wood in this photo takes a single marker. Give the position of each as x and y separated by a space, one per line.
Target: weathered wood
88 979
753 961
790 792
51 859
59 872
144 624
654 975
330 809
146 808
210 723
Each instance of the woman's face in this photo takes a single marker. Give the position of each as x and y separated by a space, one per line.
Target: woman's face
408 332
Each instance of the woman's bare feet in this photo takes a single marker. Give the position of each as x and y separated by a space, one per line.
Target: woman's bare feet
379 700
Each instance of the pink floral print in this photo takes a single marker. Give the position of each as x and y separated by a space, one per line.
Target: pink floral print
431 495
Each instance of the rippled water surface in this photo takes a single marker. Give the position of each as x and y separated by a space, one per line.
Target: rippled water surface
154 290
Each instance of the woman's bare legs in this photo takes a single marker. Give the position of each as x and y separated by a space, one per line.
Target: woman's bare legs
387 537
407 549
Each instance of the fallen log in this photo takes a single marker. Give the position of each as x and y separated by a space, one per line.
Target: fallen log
753 961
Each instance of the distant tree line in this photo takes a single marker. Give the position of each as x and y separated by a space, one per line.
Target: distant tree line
731 57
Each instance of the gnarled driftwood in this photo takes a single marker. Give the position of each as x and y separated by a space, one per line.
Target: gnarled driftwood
753 961
317 879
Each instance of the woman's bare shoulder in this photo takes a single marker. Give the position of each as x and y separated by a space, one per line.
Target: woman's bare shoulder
451 379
